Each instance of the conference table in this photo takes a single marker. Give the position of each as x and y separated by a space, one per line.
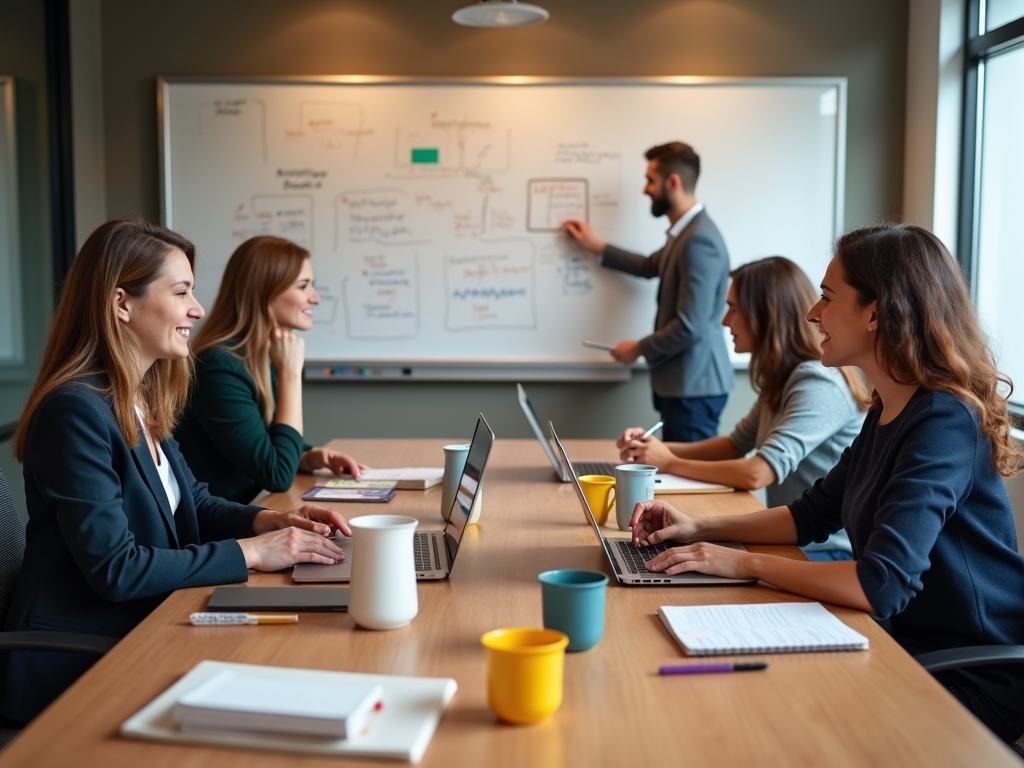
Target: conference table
866 708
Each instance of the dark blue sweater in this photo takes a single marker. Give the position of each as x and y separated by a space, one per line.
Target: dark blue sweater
932 532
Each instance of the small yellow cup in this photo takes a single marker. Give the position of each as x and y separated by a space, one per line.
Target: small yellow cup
600 493
524 672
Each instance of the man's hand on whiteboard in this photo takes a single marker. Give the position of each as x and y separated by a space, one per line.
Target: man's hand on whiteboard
626 352
581 232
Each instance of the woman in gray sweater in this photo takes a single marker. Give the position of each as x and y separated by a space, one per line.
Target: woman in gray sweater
805 416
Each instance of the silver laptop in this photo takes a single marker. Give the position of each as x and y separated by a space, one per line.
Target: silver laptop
434 551
581 467
629 562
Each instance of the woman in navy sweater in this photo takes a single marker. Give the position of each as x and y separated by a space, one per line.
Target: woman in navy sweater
920 490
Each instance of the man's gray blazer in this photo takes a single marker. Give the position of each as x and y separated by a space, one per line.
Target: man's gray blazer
686 352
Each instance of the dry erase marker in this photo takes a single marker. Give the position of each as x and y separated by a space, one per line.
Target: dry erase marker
599 345
699 669
213 619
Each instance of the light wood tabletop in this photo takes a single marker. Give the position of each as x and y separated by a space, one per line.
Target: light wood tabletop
870 708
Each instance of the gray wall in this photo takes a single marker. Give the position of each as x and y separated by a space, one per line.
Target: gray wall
22 55
864 41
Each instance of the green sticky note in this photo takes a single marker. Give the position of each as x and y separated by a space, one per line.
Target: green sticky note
424 155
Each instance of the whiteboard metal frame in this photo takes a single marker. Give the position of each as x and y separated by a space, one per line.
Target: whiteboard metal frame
494 369
12 367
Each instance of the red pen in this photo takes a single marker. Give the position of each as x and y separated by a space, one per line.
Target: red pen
698 669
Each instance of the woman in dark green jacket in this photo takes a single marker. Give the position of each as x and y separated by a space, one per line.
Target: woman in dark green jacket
242 429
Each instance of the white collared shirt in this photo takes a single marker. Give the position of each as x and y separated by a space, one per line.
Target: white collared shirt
163 468
676 229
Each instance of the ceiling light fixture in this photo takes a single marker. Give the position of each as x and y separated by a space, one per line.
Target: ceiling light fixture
499 13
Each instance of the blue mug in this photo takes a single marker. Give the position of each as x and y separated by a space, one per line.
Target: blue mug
574 604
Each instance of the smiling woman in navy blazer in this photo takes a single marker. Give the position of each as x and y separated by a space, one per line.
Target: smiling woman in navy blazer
116 519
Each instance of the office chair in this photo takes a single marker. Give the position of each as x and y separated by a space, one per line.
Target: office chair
12 550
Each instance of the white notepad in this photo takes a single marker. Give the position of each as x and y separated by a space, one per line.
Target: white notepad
716 630
671 484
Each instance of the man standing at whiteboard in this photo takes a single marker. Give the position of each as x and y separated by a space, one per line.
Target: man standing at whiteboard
690 370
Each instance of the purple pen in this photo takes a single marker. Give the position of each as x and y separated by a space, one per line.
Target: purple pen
699 669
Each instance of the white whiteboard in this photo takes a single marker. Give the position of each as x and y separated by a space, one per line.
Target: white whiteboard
432 208
11 345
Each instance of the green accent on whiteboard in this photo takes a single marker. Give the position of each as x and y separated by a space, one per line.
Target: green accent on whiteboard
426 156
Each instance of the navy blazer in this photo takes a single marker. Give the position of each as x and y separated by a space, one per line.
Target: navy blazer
686 352
103 548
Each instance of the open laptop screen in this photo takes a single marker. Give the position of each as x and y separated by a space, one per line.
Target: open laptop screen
576 483
531 417
469 484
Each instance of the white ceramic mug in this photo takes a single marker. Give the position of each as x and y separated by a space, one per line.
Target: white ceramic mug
633 483
454 464
382 590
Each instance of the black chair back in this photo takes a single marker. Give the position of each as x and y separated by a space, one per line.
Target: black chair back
12 546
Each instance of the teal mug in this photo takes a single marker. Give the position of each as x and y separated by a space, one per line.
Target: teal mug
574 604
633 483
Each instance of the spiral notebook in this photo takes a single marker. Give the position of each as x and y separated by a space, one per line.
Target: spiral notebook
717 630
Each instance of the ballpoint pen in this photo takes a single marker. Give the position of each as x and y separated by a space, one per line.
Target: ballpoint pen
214 619
698 669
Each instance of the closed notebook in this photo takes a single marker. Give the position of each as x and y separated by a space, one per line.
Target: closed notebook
407 478
715 630
352 490
234 701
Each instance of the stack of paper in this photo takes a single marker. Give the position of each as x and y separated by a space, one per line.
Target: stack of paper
714 630
401 730
235 701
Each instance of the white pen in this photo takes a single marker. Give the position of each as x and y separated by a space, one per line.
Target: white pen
652 430
213 619
599 345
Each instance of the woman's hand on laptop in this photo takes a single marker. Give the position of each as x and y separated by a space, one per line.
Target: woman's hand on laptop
318 520
703 557
284 548
655 521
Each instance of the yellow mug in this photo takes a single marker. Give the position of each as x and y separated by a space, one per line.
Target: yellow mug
524 672
600 493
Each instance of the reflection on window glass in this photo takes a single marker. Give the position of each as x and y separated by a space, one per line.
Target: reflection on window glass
1001 221
999 12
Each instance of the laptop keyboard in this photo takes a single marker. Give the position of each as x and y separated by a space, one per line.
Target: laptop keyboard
421 552
636 558
593 468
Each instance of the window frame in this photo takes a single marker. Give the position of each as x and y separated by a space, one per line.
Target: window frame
979 47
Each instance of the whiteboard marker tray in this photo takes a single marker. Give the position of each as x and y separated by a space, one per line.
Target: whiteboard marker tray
401 731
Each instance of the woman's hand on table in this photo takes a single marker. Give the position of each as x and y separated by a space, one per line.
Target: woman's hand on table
284 548
317 520
338 463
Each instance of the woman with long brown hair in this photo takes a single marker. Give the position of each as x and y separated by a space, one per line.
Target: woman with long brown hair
805 415
242 428
920 492
116 520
